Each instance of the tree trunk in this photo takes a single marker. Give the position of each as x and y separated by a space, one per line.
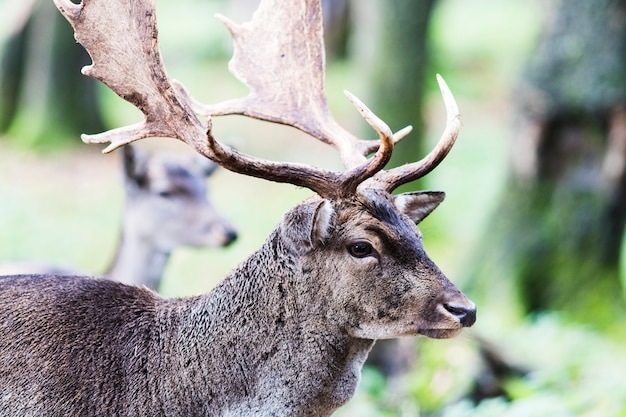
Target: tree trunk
337 28
43 101
558 231
395 64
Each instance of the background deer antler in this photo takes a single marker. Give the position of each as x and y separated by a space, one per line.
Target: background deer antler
279 54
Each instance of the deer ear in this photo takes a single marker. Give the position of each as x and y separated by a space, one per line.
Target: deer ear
134 166
320 228
417 205
308 225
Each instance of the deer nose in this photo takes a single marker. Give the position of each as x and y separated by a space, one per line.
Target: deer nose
230 237
466 315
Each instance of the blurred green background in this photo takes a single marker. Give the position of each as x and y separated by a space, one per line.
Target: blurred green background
61 202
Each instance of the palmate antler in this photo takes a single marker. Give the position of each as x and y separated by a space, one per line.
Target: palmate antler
279 55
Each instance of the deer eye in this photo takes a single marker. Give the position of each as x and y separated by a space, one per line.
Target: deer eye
165 194
360 249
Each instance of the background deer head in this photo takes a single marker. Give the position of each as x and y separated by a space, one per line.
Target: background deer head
167 206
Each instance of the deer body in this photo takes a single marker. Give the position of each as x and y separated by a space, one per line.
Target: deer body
285 334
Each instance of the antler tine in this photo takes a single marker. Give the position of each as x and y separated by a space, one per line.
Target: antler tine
361 172
392 179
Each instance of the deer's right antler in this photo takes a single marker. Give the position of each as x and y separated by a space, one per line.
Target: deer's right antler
121 37
279 55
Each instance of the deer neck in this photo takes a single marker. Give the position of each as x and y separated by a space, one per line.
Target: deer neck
138 261
268 340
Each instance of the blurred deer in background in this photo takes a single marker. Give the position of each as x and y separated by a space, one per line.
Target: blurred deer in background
287 332
166 207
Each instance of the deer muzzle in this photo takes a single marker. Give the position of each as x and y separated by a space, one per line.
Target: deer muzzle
453 313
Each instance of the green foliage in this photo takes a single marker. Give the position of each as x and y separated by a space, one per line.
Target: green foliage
480 46
574 372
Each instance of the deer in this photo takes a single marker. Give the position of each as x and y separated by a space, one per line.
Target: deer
287 331
166 207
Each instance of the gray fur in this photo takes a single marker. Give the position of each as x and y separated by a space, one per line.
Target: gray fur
285 334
